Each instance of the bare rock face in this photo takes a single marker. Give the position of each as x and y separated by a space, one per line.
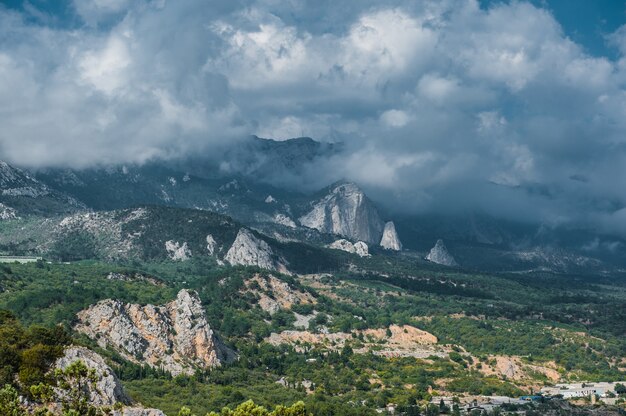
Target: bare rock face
390 240
274 294
175 337
249 250
177 251
107 390
211 244
439 254
282 219
360 248
7 213
345 211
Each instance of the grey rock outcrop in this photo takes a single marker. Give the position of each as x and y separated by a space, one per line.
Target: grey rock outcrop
211 244
283 219
175 337
249 250
177 251
107 390
390 239
360 248
345 211
7 213
439 254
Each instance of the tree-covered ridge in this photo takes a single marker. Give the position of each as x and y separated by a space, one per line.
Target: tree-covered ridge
480 317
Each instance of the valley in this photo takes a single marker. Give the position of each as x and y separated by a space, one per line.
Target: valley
201 293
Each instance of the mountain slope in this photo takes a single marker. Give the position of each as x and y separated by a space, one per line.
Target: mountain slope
21 194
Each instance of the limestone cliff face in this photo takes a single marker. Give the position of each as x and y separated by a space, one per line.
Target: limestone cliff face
360 248
175 337
390 240
249 250
345 211
439 254
107 390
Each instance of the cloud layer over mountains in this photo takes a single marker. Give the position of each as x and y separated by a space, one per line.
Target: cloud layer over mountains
439 103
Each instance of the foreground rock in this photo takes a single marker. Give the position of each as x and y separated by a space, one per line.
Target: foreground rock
345 211
107 390
175 337
249 250
439 254
390 239
360 248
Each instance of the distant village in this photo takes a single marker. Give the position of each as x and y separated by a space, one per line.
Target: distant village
600 393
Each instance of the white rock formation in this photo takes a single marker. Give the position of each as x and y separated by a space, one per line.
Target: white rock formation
211 244
346 211
360 248
177 251
439 254
107 390
7 213
175 337
342 244
390 240
249 250
282 219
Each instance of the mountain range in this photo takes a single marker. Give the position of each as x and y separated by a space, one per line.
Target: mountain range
250 187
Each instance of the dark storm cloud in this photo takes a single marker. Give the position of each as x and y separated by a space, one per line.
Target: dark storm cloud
439 104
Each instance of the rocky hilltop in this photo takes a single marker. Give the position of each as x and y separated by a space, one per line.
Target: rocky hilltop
390 239
439 254
345 211
359 248
175 337
107 390
250 250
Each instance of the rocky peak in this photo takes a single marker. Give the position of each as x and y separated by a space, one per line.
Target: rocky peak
439 254
390 239
249 250
175 337
345 211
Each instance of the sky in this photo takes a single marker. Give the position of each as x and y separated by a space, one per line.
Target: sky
514 107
